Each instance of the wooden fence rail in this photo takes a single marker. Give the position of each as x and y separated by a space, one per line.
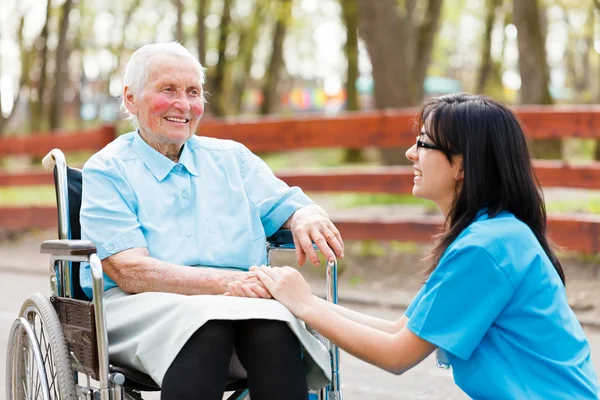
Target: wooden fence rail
359 130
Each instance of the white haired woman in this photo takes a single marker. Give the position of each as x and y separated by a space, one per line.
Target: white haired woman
177 218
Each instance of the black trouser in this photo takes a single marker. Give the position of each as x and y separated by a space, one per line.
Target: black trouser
268 350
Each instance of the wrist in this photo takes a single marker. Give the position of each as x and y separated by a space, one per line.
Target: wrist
309 311
227 277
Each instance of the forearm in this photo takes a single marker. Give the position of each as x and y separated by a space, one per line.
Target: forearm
146 274
373 322
370 344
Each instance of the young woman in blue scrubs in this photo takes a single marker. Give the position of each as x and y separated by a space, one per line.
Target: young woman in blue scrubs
494 303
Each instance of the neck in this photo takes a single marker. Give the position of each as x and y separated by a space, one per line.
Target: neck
170 150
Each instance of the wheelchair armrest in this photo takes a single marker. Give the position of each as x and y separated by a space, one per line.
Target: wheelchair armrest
281 237
68 247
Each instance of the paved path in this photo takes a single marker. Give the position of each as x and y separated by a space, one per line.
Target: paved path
359 380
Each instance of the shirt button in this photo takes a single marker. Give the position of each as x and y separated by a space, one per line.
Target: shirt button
184 195
188 234
178 168
111 247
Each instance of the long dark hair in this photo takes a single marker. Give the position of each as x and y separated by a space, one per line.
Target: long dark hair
498 172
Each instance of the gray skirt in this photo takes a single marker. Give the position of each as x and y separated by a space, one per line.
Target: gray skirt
146 331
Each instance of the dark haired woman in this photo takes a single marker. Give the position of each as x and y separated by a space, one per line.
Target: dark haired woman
494 303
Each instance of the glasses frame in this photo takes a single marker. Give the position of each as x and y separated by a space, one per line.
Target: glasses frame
425 145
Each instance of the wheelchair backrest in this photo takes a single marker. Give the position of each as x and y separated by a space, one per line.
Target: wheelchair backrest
72 215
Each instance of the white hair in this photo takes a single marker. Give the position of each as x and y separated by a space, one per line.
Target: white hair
135 74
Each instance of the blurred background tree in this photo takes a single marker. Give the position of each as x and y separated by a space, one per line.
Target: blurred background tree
60 60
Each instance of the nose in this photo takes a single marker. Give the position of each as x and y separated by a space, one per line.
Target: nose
412 154
182 102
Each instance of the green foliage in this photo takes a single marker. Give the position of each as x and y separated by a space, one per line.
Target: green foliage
346 200
371 249
587 205
405 247
304 158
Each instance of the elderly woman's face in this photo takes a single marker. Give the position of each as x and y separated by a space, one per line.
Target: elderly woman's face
171 104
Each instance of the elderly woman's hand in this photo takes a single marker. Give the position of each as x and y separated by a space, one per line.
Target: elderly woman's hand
311 224
288 287
248 286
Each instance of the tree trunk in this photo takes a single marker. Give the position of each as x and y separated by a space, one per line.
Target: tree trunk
179 22
400 53
26 55
218 83
38 111
201 30
533 67
248 40
350 16
485 69
62 67
273 72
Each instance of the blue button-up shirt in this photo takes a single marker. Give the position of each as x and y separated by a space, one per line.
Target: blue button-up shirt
213 208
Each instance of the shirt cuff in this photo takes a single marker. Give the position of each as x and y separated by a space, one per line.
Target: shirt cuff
119 244
279 214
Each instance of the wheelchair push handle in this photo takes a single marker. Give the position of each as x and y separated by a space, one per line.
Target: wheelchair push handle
49 160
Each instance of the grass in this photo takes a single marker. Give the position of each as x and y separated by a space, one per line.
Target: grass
28 196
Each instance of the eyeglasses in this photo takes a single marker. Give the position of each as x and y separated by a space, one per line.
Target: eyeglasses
425 145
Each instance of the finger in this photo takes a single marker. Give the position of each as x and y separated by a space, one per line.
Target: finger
254 268
323 246
338 236
273 272
300 255
261 291
307 246
266 279
333 244
248 291
234 291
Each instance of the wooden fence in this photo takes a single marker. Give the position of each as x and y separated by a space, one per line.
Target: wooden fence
379 129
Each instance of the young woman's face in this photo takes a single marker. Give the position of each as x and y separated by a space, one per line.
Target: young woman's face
435 178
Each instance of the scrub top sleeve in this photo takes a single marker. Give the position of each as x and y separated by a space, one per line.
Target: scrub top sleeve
273 197
460 301
415 301
108 210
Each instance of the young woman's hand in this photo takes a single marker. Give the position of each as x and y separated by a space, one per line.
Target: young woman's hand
288 287
248 286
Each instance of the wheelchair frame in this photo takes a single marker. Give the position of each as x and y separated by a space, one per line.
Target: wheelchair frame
84 321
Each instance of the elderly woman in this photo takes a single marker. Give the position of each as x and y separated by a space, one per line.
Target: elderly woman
177 220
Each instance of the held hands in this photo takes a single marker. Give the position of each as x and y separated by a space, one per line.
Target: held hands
311 224
285 284
248 285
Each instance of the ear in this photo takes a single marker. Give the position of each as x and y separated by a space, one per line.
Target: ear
130 101
459 172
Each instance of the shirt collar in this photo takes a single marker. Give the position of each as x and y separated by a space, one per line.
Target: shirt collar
158 164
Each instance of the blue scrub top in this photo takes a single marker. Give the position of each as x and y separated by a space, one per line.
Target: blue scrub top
498 309
213 208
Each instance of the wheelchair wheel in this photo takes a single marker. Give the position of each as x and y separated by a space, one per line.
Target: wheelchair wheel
38 365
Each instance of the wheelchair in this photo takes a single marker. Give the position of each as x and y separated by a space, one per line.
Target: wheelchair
58 346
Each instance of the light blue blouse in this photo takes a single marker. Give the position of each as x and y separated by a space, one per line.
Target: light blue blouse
213 208
496 308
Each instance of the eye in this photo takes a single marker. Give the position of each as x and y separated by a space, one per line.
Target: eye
168 89
194 92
